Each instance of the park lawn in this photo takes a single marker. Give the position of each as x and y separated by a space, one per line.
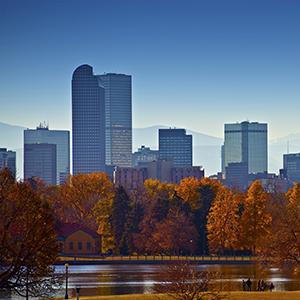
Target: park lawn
232 296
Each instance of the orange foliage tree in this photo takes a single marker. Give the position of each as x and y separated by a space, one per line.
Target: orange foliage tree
222 221
283 242
255 222
27 238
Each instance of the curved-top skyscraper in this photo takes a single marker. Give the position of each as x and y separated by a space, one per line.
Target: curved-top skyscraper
88 121
102 120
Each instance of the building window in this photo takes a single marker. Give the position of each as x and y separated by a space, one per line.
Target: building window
88 245
71 246
79 245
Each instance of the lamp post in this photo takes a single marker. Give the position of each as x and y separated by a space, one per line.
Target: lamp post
67 275
78 287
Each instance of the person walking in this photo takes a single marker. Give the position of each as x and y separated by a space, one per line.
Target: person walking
248 282
271 286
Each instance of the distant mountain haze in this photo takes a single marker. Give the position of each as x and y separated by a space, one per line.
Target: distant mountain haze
206 149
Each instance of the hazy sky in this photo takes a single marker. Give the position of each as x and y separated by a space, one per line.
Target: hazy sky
194 64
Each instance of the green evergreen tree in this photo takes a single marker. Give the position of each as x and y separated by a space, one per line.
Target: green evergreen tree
119 213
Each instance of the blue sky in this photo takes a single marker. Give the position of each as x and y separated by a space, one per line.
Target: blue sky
194 64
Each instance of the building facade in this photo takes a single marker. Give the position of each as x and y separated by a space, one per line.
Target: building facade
175 143
162 169
60 138
246 143
8 160
72 238
101 120
143 156
291 166
179 173
40 161
131 178
88 121
118 119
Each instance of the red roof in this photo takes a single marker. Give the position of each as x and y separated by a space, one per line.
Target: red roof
66 229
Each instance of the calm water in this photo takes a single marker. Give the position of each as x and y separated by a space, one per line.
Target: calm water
137 279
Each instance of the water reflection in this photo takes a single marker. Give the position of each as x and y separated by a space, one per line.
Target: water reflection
139 279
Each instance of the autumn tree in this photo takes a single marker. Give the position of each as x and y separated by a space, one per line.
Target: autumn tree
222 221
79 195
282 246
255 222
27 237
176 234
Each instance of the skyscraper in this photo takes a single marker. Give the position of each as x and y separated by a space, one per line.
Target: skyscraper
291 165
246 143
118 119
40 161
102 120
8 159
60 138
177 144
88 120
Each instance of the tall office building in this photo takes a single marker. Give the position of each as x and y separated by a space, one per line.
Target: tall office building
88 120
8 159
118 119
40 161
102 120
246 143
291 165
177 144
60 138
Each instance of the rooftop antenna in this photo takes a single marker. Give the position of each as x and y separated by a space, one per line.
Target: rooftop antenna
287 147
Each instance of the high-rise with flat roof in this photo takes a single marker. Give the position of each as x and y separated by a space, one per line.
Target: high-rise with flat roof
246 143
175 143
291 165
8 159
118 119
40 161
60 138
102 120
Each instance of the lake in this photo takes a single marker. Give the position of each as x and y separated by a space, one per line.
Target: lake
139 279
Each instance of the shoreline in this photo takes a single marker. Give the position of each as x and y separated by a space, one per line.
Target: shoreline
150 262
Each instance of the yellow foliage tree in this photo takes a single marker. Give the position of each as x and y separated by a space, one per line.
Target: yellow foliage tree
255 222
79 196
222 221
189 189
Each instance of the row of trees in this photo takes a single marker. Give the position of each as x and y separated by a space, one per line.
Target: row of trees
194 217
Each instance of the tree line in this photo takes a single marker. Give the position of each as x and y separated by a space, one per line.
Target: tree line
196 217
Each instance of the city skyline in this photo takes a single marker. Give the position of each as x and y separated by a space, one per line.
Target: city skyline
194 64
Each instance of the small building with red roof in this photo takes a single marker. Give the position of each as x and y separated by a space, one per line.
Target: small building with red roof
76 239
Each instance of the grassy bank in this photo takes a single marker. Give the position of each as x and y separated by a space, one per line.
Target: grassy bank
232 296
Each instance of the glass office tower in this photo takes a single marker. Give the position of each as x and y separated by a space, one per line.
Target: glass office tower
88 119
60 138
40 161
248 143
175 143
8 159
118 119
